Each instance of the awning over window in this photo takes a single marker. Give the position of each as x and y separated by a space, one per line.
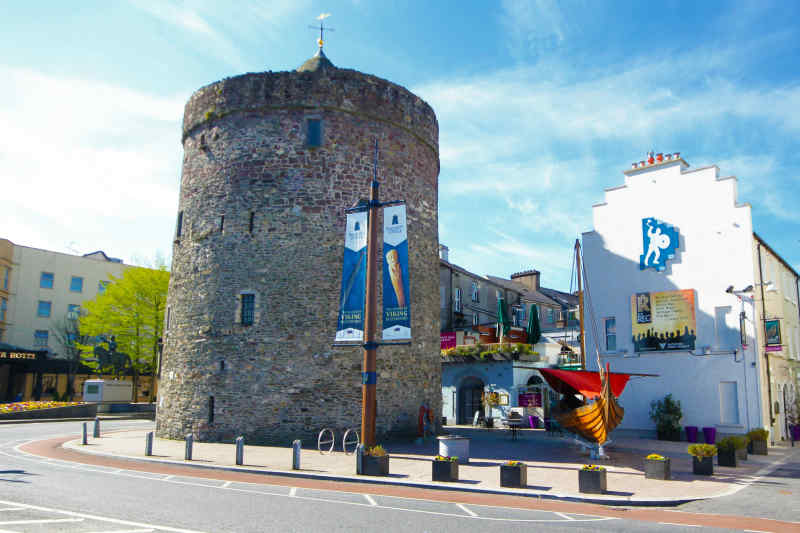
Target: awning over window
582 382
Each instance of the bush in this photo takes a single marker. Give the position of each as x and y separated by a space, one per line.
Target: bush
728 444
758 434
666 413
702 450
375 451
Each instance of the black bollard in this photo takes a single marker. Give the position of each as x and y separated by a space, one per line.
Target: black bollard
189 440
96 433
240 450
85 434
148 444
296 455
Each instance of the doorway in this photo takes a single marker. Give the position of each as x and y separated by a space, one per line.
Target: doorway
470 394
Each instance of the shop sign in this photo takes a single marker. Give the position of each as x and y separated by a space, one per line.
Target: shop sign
773 329
17 355
447 340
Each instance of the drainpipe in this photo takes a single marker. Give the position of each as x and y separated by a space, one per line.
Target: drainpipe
763 325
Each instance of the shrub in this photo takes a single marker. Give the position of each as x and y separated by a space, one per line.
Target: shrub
740 442
592 468
375 451
702 450
666 413
758 434
728 444
656 457
450 458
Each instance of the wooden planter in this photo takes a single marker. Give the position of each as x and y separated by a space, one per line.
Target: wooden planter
657 469
444 470
726 458
514 476
593 481
375 466
669 434
757 447
703 466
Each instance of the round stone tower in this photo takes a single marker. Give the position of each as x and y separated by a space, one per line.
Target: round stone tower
271 162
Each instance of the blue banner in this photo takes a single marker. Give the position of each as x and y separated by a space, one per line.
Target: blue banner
396 294
350 326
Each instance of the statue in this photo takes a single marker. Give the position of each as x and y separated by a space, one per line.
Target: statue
110 357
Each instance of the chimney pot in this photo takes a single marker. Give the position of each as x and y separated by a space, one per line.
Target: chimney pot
659 157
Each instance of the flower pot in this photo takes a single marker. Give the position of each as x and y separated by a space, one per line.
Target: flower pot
691 433
514 476
702 466
796 432
657 469
444 470
592 481
757 447
710 435
375 466
741 454
726 457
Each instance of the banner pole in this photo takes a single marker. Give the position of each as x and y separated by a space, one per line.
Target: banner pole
369 375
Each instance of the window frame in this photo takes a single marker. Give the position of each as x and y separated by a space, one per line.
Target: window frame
3 309
102 285
42 284
37 339
247 315
319 131
6 276
49 309
608 334
457 300
476 292
72 284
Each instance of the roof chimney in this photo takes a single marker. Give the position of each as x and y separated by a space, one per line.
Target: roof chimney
443 252
529 278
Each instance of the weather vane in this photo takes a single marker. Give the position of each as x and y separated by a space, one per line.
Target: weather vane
321 27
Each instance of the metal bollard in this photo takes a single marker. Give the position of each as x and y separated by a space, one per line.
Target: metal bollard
189 440
360 459
239 450
148 444
96 433
85 434
296 455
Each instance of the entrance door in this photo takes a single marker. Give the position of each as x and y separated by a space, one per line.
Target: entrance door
469 399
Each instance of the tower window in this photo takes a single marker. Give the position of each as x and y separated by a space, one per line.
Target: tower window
180 225
252 221
210 409
248 309
314 132
222 223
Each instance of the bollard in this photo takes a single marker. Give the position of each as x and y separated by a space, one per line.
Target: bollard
360 459
189 440
296 455
85 434
96 433
148 444
239 450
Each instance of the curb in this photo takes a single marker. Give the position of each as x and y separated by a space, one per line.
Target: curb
372 481
134 416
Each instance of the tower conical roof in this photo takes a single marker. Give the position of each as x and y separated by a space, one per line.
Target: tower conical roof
318 62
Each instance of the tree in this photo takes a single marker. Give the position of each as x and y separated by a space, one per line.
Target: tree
131 310
68 334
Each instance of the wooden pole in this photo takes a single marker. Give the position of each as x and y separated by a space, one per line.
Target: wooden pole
369 376
580 304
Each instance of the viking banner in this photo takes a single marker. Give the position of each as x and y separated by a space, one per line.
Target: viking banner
350 325
396 295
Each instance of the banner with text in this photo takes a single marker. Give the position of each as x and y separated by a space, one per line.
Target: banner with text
396 295
350 325
663 321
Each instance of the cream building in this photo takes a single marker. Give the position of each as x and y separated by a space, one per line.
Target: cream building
39 287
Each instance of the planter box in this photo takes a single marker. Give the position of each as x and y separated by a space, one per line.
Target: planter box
514 476
592 481
757 447
444 471
657 469
454 446
741 454
673 435
796 433
70 411
375 466
703 466
726 458
710 435
691 433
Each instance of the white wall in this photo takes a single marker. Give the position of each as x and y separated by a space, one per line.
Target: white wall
716 239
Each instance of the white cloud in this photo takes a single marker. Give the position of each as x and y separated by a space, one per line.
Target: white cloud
533 27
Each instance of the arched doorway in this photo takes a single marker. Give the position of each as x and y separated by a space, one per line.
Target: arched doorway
469 399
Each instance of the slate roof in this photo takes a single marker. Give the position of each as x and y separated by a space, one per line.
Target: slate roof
318 62
528 294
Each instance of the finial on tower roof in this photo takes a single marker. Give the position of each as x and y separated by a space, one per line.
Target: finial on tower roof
320 60
321 18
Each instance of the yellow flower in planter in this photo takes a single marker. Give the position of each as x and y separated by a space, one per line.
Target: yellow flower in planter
656 457
375 451
592 468
512 463
451 458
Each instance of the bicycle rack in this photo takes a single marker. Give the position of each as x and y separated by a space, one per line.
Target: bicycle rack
324 440
347 440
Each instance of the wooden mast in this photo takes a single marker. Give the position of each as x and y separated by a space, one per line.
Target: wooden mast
580 304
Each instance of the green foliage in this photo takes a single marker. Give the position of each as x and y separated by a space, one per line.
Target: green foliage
132 310
702 450
727 444
758 434
483 351
666 413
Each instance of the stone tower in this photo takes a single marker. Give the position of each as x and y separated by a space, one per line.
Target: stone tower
271 162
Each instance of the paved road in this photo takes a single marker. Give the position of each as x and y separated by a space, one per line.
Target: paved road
39 494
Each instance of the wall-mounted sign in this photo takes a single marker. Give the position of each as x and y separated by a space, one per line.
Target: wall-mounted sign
350 326
663 321
17 355
396 295
773 329
447 340
659 242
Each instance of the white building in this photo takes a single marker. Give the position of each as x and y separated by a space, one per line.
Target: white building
671 265
39 287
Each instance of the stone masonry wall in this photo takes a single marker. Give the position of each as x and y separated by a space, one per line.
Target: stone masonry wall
246 159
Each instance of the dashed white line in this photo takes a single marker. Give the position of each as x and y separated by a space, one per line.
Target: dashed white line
565 517
466 510
124 531
168 478
293 492
226 485
12 509
41 521
756 531
679 525
371 501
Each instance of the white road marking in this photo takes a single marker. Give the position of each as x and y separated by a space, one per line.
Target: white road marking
565 517
226 485
293 492
168 478
679 525
756 531
41 521
8 531
464 508
124 531
12 509
371 501
79 517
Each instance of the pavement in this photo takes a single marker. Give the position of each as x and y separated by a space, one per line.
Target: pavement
553 465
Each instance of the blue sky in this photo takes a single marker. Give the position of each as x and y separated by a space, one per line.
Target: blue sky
541 105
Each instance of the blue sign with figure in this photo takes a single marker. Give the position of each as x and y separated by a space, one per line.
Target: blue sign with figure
660 240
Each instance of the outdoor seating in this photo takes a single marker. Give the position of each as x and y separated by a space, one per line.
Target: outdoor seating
513 422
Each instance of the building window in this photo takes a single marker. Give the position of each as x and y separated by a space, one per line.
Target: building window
179 229
72 311
551 315
442 298
2 331
248 309
101 286
518 316
40 338
475 292
457 300
76 284
314 132
476 319
3 306
728 403
5 278
44 308
611 334
46 281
